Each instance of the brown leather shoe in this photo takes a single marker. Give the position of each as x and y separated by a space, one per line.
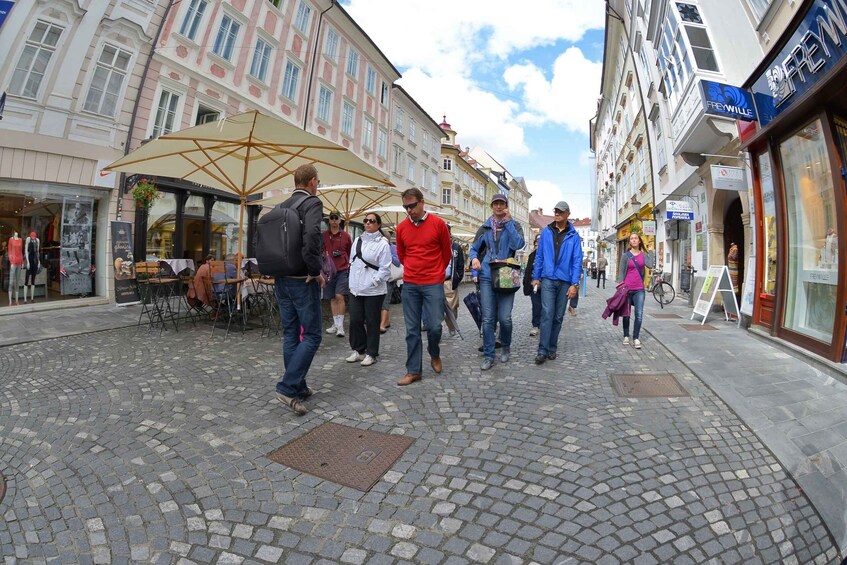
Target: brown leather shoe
408 379
436 364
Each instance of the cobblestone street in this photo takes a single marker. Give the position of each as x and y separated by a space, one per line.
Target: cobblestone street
146 449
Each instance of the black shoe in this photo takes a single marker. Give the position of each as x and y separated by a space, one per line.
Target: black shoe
540 359
551 356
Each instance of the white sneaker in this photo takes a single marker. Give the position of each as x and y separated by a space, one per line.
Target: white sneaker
533 332
637 344
355 356
368 361
626 341
331 330
339 332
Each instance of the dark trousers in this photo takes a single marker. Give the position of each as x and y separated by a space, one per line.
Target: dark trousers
601 274
364 323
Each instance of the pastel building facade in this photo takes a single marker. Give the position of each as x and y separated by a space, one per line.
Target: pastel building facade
415 147
71 73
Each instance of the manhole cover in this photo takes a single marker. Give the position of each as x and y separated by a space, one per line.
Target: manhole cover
2 487
666 316
348 456
653 385
697 327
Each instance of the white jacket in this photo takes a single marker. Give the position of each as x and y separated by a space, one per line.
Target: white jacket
363 280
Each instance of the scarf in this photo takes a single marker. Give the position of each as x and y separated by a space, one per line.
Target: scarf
496 226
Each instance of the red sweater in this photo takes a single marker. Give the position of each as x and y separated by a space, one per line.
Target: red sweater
425 250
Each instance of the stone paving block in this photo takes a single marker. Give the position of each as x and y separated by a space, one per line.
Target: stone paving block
564 467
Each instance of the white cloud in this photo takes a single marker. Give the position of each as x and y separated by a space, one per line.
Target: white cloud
545 195
569 98
478 117
448 36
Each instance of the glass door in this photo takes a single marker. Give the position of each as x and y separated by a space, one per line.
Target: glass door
811 230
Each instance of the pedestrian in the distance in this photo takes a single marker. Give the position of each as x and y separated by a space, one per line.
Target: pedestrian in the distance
528 289
337 243
558 266
385 319
423 245
498 239
369 270
452 279
631 272
299 295
602 263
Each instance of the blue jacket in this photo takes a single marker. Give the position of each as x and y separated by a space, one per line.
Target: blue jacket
567 266
485 249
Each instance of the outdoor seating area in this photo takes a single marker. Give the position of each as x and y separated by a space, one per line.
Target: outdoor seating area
227 299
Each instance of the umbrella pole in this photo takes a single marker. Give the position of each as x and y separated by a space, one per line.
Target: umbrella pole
238 254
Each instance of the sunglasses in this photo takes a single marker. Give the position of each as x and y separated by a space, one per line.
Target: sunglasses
334 218
371 221
411 206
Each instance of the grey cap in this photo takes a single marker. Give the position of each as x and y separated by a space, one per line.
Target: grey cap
499 196
562 206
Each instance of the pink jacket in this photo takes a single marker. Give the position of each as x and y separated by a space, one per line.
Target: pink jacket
618 304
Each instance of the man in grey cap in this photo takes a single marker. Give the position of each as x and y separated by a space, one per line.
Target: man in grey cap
558 266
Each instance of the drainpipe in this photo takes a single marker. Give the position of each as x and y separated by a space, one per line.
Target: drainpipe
314 61
123 183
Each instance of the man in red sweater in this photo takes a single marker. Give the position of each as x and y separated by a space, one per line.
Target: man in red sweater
424 249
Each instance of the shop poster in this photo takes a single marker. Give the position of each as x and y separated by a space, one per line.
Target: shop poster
75 260
126 287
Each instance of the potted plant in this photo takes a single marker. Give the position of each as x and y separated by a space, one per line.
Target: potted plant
145 194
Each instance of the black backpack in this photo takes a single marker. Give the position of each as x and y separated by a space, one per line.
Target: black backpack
279 240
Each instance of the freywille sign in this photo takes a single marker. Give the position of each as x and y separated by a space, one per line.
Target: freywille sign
728 101
815 47
5 8
126 287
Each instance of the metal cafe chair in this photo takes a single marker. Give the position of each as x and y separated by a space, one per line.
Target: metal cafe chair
225 291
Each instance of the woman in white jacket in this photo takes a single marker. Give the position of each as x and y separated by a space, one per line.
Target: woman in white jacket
370 261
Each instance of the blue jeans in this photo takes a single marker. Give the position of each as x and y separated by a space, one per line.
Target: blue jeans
536 309
419 300
554 300
636 301
299 306
496 307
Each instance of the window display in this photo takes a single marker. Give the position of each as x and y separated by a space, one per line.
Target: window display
810 217
768 223
57 227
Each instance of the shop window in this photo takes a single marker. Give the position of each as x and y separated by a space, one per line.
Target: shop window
194 229
161 222
224 240
768 224
64 221
812 275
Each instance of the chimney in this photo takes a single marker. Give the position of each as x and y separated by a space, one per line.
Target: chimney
540 212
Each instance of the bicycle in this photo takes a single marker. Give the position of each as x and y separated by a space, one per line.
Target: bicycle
661 289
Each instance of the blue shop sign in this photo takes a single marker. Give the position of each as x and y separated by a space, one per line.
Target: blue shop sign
815 47
5 8
680 215
728 101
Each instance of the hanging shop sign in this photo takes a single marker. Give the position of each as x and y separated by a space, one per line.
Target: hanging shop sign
727 101
814 48
648 227
729 178
678 210
5 8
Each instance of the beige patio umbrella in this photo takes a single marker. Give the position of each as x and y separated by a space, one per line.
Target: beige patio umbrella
350 200
247 154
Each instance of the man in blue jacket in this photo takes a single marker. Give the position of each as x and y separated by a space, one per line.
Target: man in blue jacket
558 266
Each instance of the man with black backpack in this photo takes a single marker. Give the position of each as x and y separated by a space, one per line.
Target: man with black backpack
289 246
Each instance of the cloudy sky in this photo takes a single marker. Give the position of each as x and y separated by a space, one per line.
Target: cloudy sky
520 79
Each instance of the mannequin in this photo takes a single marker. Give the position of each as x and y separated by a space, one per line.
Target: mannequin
16 262
32 252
